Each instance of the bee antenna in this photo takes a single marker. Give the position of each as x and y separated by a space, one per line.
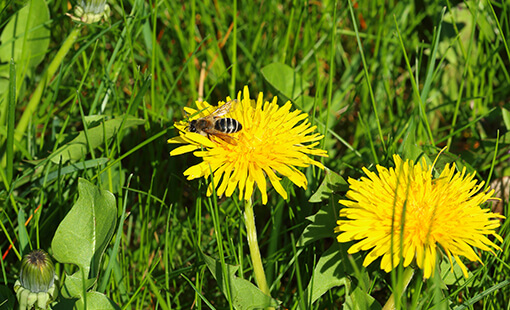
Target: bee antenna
186 115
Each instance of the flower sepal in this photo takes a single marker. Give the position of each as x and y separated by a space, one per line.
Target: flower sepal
30 300
36 286
91 11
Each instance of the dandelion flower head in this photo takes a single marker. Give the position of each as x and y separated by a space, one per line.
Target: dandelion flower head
403 213
273 141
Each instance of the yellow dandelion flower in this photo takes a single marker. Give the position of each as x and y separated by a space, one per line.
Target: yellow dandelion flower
403 212
273 141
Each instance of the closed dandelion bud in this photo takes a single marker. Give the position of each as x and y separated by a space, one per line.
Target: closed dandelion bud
36 286
91 11
37 272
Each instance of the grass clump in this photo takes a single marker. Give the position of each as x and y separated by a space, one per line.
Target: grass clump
87 106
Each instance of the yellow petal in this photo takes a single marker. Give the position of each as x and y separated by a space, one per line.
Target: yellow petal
274 139
197 171
199 139
177 139
275 181
183 149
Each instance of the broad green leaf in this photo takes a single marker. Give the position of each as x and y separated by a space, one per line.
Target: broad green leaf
332 183
445 158
38 177
24 240
410 149
322 226
96 301
116 175
304 102
331 270
93 120
285 79
71 168
454 276
26 23
360 300
77 148
84 233
506 118
75 287
245 295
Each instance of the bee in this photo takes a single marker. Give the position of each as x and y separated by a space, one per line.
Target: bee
214 125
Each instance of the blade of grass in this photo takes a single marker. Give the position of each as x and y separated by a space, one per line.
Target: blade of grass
233 89
115 250
37 94
421 104
367 76
330 80
501 32
11 113
202 297
468 303
467 69
432 59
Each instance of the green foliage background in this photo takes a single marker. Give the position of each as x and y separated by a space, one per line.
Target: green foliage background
376 77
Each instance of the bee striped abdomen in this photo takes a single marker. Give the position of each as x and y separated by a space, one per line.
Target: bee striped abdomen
227 125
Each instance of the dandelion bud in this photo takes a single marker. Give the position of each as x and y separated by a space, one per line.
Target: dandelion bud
91 11
36 286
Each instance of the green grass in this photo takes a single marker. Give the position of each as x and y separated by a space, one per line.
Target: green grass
382 78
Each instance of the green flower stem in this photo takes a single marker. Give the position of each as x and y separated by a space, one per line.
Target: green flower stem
36 96
408 275
251 233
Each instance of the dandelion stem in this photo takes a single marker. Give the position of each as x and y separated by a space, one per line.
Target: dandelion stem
251 233
408 275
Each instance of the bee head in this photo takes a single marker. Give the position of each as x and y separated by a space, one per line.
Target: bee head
192 126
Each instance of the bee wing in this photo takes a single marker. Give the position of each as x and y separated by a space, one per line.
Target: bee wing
223 136
221 111
226 138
